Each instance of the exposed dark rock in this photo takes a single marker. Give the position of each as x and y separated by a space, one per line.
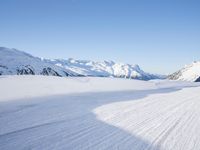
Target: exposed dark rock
48 71
27 70
198 80
175 75
1 66
66 74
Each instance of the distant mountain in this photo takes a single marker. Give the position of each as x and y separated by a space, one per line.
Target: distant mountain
103 69
15 62
188 73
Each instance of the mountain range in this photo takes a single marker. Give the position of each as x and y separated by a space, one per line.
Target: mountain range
16 62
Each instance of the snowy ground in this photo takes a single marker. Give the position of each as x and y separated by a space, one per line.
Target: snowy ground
38 112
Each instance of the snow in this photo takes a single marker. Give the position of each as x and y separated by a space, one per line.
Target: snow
103 69
12 60
34 86
188 73
89 113
191 72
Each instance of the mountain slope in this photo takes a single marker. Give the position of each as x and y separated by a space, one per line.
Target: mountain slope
14 62
103 69
188 73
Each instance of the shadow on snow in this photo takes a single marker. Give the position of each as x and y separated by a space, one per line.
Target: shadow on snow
67 122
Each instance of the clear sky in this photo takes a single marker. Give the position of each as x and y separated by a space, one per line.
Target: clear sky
159 35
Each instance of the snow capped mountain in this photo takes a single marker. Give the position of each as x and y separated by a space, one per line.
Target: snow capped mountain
14 62
103 69
188 73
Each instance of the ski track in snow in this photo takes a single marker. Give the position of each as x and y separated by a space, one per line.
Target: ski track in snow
165 118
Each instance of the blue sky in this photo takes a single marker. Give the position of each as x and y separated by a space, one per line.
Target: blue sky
159 35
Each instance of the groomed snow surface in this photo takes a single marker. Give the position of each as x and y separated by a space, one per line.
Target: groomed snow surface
45 113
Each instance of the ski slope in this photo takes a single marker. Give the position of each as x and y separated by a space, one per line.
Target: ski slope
38 112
